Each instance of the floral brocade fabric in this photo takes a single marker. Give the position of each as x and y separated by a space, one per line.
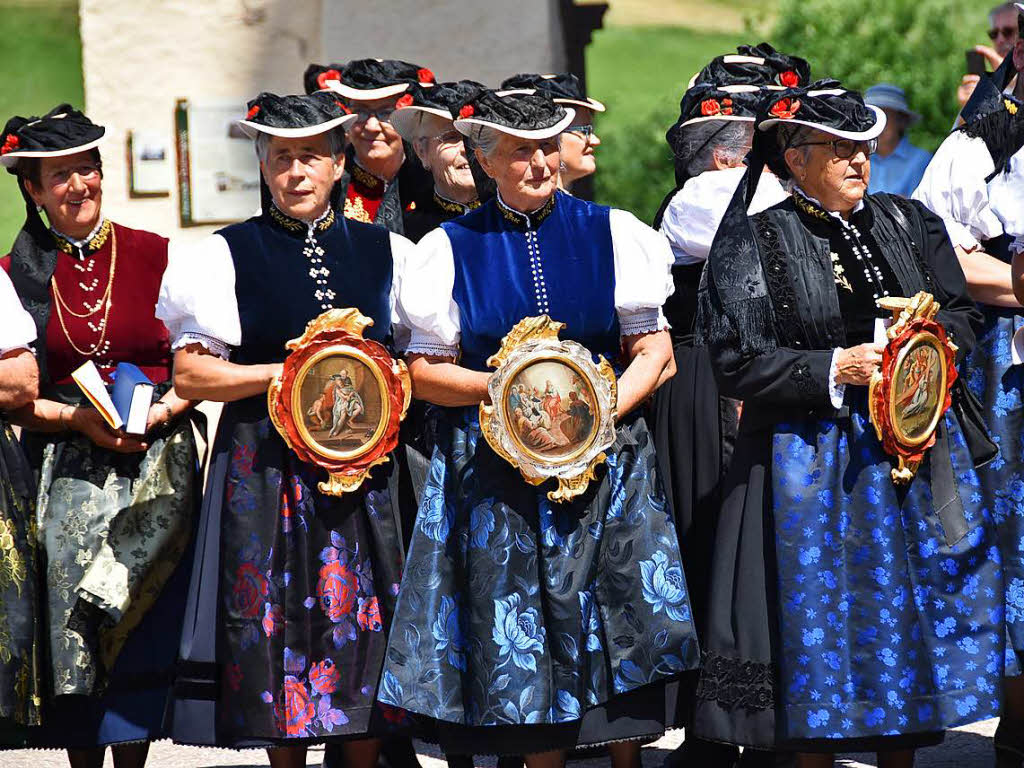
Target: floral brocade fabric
517 610
20 621
307 582
886 627
999 385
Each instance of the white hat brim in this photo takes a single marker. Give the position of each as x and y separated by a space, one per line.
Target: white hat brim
589 103
251 129
10 159
368 95
723 118
872 133
406 119
464 125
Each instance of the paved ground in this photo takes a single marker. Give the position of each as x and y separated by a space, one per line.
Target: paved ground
969 747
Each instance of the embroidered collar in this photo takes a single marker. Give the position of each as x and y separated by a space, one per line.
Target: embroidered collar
450 206
283 220
530 220
366 180
88 245
815 209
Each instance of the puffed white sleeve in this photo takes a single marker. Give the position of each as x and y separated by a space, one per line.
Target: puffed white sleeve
643 274
401 257
954 188
17 328
197 296
425 304
1006 195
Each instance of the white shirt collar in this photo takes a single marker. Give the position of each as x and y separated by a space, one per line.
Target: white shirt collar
856 209
80 244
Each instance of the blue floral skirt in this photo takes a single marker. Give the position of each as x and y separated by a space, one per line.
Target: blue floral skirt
999 385
517 611
885 626
289 601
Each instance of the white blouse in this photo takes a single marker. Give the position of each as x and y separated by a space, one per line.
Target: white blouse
695 212
972 209
643 280
197 299
17 328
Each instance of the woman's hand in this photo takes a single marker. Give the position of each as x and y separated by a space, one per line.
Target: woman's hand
166 409
90 423
856 365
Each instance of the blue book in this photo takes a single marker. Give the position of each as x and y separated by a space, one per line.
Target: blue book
132 396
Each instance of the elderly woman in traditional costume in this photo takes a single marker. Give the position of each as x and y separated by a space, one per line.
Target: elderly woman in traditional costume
115 511
381 182
499 581
849 607
425 118
293 589
21 619
975 183
579 140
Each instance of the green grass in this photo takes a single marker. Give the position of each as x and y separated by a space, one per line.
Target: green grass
41 61
640 73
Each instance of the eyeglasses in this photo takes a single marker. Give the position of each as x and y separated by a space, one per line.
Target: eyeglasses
844 149
448 137
583 131
383 114
1007 32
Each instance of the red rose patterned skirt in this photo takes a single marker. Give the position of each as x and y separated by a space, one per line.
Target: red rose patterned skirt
286 623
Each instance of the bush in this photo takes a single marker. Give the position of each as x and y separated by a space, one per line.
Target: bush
916 44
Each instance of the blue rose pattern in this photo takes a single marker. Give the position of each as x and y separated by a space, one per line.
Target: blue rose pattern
885 627
999 385
514 609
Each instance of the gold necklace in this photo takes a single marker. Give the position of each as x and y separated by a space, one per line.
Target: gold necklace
101 344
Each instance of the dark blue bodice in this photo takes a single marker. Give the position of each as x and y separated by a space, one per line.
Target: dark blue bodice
276 292
556 261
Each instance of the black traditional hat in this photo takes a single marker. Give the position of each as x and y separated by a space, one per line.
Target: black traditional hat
316 76
443 100
369 79
563 89
61 131
759 65
825 106
525 113
294 116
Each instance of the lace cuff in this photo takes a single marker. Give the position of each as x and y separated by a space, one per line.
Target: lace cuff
642 321
836 391
214 345
427 344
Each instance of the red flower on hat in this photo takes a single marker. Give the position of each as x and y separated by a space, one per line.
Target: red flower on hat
710 107
252 112
10 144
405 101
789 78
425 75
784 109
327 74
467 111
726 106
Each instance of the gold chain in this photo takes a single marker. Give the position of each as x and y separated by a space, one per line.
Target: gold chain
107 300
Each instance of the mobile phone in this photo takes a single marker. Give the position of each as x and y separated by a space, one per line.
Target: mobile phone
975 63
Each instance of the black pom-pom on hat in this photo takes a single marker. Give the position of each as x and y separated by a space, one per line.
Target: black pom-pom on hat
370 79
442 100
528 114
294 116
61 131
563 89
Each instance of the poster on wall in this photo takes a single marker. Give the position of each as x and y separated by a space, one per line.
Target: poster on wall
149 164
218 174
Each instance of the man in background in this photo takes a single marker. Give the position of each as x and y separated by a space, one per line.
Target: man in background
1002 31
897 165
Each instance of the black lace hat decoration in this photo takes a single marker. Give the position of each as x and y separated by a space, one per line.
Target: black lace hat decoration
443 100
759 65
316 76
827 106
370 79
61 131
563 89
294 116
526 113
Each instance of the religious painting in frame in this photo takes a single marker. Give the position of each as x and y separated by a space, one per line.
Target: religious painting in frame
340 399
552 411
912 390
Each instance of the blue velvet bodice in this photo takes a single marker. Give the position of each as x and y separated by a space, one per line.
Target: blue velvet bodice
556 261
276 290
